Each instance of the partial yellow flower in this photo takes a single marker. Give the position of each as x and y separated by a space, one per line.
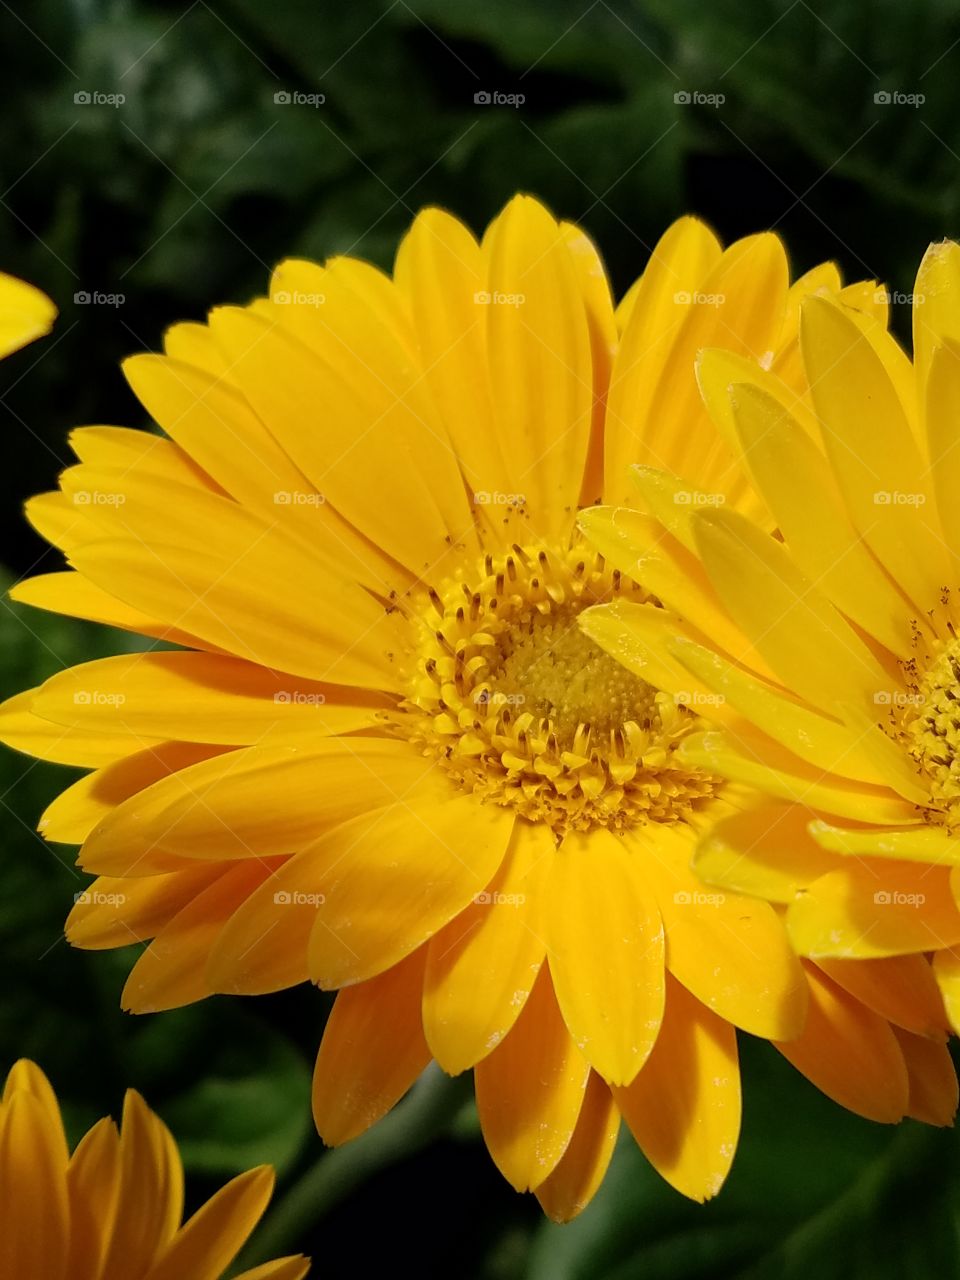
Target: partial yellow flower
112 1209
822 640
25 314
384 758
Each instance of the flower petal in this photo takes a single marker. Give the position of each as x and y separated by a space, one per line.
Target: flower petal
930 845
640 547
427 857
812 737
216 426
942 404
730 951
482 965
26 732
606 952
933 1079
441 272
577 1178
874 908
206 1245
799 633
946 970
765 851
76 811
26 1077
250 802
902 989
530 1091
117 911
171 971
25 314
849 1053
71 594
93 1183
872 450
799 488
759 762
935 321
199 697
678 265
150 1202
742 302
381 449
372 1051
540 362
33 1189
292 1268
684 1106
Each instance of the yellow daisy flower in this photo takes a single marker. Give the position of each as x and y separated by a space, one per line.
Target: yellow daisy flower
25 314
112 1209
385 758
820 636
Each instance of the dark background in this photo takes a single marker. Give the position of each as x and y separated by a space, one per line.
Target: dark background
183 196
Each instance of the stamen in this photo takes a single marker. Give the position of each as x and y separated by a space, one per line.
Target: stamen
925 720
521 707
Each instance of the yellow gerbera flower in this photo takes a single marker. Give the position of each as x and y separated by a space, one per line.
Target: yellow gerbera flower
112 1209
25 314
821 636
385 759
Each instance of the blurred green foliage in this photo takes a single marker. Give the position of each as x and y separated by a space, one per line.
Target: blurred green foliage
183 196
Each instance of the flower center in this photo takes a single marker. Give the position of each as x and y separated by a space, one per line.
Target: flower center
930 726
520 706
555 671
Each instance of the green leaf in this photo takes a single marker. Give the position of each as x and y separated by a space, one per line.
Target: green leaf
602 41
900 1216
252 1105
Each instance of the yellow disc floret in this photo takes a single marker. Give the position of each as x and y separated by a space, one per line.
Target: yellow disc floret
931 729
520 706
